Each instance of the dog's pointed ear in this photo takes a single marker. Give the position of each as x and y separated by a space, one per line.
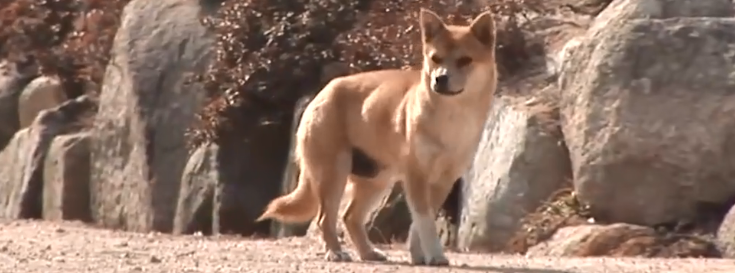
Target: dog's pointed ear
431 25
483 27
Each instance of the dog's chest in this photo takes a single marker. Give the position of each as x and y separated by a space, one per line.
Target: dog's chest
449 137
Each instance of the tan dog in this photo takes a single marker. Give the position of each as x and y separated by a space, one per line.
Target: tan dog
420 127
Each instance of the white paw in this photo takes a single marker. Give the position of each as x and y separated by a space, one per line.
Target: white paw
424 245
437 261
338 256
414 248
440 260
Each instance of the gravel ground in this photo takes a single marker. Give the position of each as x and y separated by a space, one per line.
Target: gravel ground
29 246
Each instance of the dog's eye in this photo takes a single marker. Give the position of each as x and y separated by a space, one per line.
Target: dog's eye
464 61
436 59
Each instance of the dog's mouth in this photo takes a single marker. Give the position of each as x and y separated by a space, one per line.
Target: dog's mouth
447 92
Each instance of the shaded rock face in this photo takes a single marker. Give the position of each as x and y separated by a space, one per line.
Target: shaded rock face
519 163
196 198
66 178
391 221
138 149
250 170
22 161
19 188
12 82
646 113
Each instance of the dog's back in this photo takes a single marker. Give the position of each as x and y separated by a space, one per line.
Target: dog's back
361 111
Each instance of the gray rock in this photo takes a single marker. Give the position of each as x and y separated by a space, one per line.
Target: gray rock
662 9
568 241
138 148
22 162
726 235
647 111
66 178
519 163
12 83
391 220
196 198
41 94
620 12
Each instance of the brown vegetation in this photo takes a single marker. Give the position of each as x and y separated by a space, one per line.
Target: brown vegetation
244 81
65 38
562 210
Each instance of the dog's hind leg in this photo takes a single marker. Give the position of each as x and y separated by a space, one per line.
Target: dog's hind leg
331 173
366 194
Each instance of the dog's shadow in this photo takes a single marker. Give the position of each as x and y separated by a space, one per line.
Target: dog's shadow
460 268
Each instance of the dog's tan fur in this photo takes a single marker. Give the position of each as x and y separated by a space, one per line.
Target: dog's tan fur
420 132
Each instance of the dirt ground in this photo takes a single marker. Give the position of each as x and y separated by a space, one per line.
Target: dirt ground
27 246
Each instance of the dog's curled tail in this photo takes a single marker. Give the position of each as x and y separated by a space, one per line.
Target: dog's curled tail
301 205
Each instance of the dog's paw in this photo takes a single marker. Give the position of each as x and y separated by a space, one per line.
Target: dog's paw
417 260
338 256
415 251
375 255
437 261
434 261
417 256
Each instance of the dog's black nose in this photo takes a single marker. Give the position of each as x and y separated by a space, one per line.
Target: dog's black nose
441 82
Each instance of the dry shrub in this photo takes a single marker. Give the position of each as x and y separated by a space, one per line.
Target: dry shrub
562 210
637 241
268 54
388 36
65 38
271 53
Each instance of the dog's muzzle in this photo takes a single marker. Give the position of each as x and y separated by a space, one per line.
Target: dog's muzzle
440 84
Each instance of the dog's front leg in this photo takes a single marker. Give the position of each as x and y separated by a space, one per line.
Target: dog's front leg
424 244
438 193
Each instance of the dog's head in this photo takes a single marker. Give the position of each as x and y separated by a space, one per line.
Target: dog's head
457 57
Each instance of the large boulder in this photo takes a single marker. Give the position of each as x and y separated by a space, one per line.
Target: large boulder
519 163
138 148
726 235
66 178
620 11
196 198
647 107
622 240
42 93
12 82
22 161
